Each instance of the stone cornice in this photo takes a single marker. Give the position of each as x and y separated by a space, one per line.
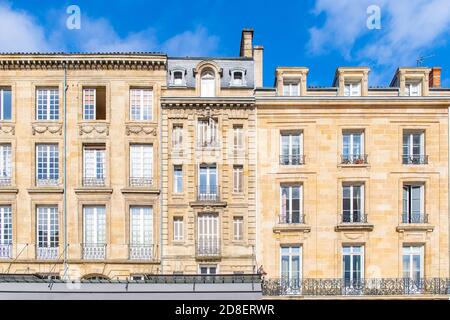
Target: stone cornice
83 61
198 102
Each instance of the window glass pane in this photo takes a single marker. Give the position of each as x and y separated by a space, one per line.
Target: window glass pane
141 104
6 104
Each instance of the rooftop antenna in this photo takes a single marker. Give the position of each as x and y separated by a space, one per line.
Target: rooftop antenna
421 59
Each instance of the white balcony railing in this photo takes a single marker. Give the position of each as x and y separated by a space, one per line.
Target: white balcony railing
141 181
94 251
47 182
47 253
141 252
5 251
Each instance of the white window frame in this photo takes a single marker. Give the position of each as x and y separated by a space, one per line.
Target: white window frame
407 201
208 267
141 223
291 88
5 161
46 226
411 251
416 85
288 216
142 108
140 166
352 252
91 93
96 169
177 136
352 88
178 228
238 228
238 137
98 224
352 197
236 82
50 149
410 135
208 230
48 93
211 170
207 132
352 142
291 135
6 227
182 81
208 84
176 187
238 178
2 104
290 277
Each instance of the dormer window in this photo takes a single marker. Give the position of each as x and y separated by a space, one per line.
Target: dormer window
237 78
413 89
208 84
291 88
352 89
178 78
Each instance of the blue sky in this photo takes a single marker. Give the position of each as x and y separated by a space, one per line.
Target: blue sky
319 34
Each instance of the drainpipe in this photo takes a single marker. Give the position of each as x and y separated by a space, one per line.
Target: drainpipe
65 171
161 193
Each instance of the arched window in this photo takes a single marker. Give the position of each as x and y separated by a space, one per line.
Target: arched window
208 84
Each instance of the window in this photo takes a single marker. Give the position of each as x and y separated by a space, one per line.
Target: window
5 104
94 166
353 265
208 234
5 164
178 233
177 179
141 104
141 232
352 89
94 103
291 204
413 262
5 231
208 188
47 232
353 203
238 228
238 178
208 269
413 89
178 78
177 136
414 147
291 88
94 226
207 133
237 78
291 146
141 165
414 204
47 165
353 147
291 257
47 102
238 137
208 84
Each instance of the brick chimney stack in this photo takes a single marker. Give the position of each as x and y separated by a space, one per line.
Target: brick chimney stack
435 77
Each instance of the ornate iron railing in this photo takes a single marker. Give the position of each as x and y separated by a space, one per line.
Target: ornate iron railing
208 247
355 218
5 181
415 159
141 181
141 252
47 253
47 182
294 218
363 287
208 193
94 251
292 160
5 251
354 159
94 181
414 218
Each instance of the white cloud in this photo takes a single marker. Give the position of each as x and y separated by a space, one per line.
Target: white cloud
409 28
95 35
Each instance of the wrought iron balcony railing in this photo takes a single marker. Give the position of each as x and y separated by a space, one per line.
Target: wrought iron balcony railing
362 287
415 159
46 182
415 218
141 182
208 193
5 251
293 218
141 252
94 181
208 247
47 253
94 251
354 159
292 160
355 218
213 144
5 181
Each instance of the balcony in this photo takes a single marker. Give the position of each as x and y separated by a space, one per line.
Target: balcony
94 251
415 159
414 218
46 253
5 181
5 251
94 181
415 222
142 252
364 287
356 222
47 182
208 248
295 218
292 160
141 182
354 159
208 145
208 193
291 223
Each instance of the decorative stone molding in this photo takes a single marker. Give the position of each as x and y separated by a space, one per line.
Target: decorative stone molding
7 129
94 128
140 129
43 128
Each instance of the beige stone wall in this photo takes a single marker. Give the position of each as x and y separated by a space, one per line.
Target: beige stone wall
322 176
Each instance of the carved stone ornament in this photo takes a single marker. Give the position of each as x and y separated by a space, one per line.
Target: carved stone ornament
43 128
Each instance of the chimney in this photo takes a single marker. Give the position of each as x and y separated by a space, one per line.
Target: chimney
247 43
435 77
258 61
